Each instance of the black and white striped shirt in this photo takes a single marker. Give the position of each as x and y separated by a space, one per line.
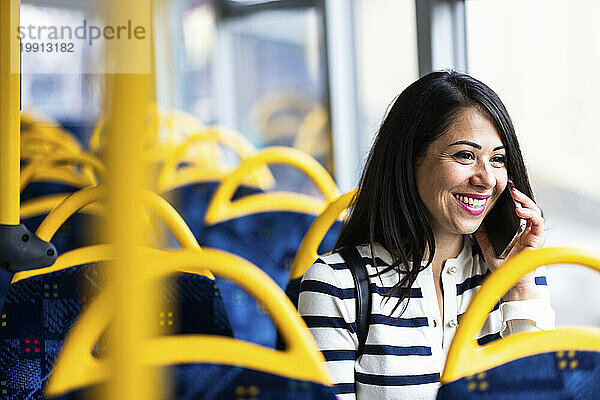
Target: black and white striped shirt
403 357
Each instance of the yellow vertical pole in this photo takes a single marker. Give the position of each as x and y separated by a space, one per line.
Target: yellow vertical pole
129 99
10 101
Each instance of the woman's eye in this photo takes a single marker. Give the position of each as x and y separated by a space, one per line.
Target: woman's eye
499 160
464 155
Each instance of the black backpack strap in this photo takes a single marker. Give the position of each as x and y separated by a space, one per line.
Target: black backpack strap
363 293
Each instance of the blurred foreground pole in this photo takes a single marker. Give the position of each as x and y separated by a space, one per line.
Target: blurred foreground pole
10 104
130 99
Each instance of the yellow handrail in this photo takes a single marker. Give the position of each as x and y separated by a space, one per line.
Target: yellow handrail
170 120
10 100
75 368
64 174
157 205
82 255
42 205
169 178
48 132
221 207
43 165
307 252
308 138
466 357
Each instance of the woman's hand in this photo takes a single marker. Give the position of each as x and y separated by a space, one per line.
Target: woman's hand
531 238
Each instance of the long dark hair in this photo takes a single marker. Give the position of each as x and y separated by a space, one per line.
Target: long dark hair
387 208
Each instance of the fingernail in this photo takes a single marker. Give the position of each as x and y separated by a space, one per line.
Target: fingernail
510 184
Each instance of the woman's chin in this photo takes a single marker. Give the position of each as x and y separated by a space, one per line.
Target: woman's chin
468 228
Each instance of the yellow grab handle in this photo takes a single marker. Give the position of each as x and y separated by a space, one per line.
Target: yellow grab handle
466 357
75 368
64 174
168 176
48 132
307 252
94 142
42 149
221 207
180 120
308 138
41 165
156 204
42 205
80 256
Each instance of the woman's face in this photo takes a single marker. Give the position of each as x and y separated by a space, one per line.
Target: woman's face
462 174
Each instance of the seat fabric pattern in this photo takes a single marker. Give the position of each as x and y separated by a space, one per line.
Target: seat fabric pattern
191 201
269 240
39 312
221 382
566 375
207 382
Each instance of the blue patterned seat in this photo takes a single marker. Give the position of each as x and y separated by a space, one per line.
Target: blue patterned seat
563 363
38 313
240 370
547 376
269 240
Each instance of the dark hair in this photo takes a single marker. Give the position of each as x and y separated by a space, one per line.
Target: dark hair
388 202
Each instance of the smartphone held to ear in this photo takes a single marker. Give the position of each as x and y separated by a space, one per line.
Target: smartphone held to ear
503 225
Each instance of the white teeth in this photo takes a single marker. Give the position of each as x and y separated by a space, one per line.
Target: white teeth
471 201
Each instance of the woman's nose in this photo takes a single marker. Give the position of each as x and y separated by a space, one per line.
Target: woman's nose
483 175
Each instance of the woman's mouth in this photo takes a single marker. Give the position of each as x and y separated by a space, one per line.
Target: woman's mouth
472 205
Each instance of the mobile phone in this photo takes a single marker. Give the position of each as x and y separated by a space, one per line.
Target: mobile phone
503 225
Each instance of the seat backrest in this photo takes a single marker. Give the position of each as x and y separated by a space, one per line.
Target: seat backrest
298 372
206 170
42 306
59 168
266 229
45 182
558 364
309 249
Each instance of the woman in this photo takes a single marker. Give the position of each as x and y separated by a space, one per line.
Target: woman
441 159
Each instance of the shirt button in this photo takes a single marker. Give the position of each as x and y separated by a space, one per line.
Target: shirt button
452 269
453 323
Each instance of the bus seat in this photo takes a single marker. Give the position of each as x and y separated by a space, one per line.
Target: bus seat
192 303
558 364
208 367
311 246
42 306
266 229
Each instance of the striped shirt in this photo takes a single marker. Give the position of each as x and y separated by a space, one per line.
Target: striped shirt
403 356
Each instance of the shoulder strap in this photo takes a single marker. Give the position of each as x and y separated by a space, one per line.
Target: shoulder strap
363 293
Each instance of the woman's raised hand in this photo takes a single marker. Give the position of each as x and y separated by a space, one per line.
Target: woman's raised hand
531 238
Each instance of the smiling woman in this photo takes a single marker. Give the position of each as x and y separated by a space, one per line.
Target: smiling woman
461 173
441 160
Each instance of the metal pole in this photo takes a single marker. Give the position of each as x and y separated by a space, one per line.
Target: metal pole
441 35
130 97
10 107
